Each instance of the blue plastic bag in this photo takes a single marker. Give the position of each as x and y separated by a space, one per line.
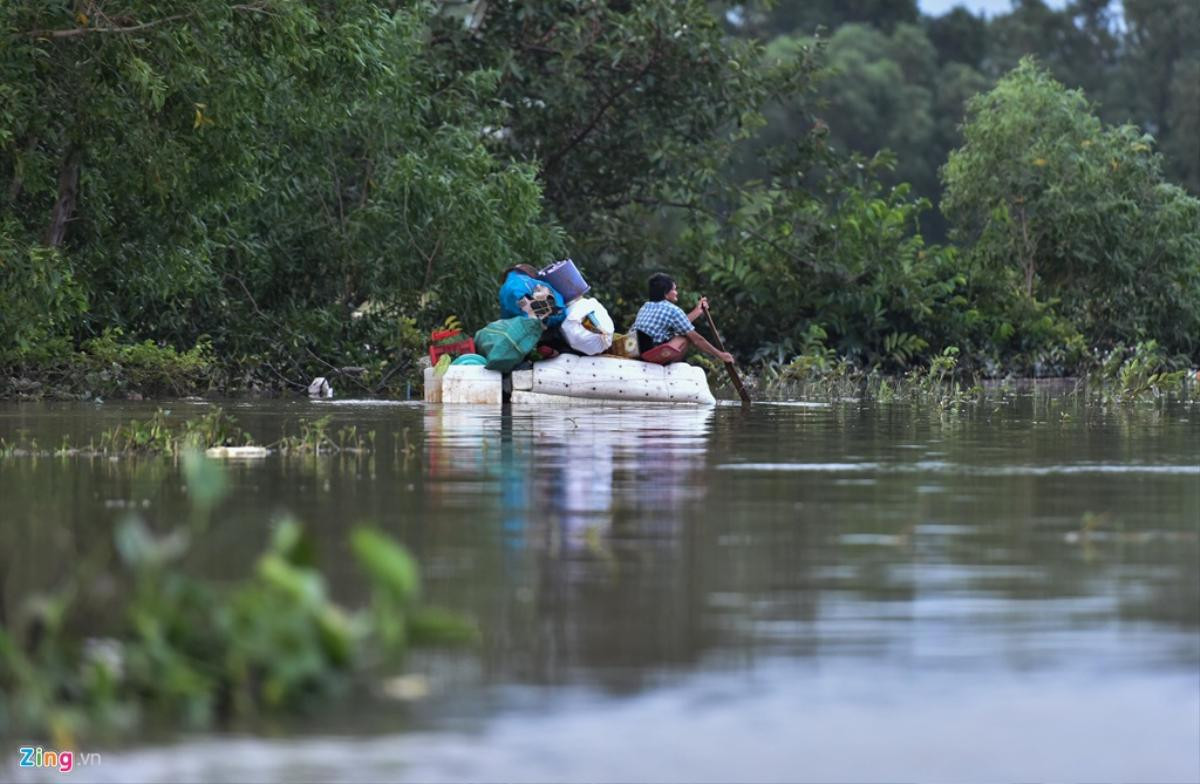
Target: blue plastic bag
518 286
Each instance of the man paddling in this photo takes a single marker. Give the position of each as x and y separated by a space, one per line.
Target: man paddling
664 330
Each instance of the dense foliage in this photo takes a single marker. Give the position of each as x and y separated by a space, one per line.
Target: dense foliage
626 109
246 195
1076 212
252 173
900 80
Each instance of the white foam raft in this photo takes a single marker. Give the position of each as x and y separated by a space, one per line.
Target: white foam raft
567 379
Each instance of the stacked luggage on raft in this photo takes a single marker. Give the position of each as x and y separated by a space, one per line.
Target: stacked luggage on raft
554 300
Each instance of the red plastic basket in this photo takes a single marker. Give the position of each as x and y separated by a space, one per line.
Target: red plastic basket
443 341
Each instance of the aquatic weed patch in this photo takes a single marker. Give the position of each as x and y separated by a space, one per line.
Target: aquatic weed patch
823 376
1140 374
316 437
165 434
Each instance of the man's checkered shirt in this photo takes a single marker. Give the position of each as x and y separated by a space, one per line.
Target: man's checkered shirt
662 321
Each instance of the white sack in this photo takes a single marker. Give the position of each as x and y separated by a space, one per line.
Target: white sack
580 337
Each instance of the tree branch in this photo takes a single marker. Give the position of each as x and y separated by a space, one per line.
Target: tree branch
74 32
283 330
78 31
437 246
552 161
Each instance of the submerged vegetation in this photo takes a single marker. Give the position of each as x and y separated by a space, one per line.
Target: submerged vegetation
164 434
305 189
1123 376
168 646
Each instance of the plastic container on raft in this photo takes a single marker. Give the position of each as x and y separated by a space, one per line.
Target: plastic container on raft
565 278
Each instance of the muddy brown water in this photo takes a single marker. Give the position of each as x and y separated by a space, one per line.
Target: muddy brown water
805 591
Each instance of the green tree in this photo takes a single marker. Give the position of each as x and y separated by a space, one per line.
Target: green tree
254 172
1160 80
881 91
1078 210
848 272
881 97
1077 43
626 108
959 37
770 19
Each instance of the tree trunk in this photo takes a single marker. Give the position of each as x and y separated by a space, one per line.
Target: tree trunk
1027 252
68 190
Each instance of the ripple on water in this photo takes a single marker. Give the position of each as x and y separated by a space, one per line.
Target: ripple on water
800 467
938 466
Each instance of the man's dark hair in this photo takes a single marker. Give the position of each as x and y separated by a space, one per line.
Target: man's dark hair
660 284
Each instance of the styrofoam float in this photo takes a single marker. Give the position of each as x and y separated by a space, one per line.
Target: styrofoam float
464 384
237 452
568 378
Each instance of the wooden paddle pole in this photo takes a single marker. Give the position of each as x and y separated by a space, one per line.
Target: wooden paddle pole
733 374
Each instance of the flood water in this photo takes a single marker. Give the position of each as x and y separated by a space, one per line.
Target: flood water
797 592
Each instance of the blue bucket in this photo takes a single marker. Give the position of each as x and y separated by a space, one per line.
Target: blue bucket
565 279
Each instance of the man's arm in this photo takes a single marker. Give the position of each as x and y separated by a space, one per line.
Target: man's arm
699 342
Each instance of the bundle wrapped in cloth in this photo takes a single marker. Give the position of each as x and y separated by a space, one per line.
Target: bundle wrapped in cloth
588 328
539 303
524 295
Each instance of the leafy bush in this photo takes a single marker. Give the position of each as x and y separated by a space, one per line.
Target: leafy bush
1125 374
1079 210
789 272
113 366
40 300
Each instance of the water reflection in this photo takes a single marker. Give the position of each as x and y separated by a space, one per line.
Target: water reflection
590 504
564 466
